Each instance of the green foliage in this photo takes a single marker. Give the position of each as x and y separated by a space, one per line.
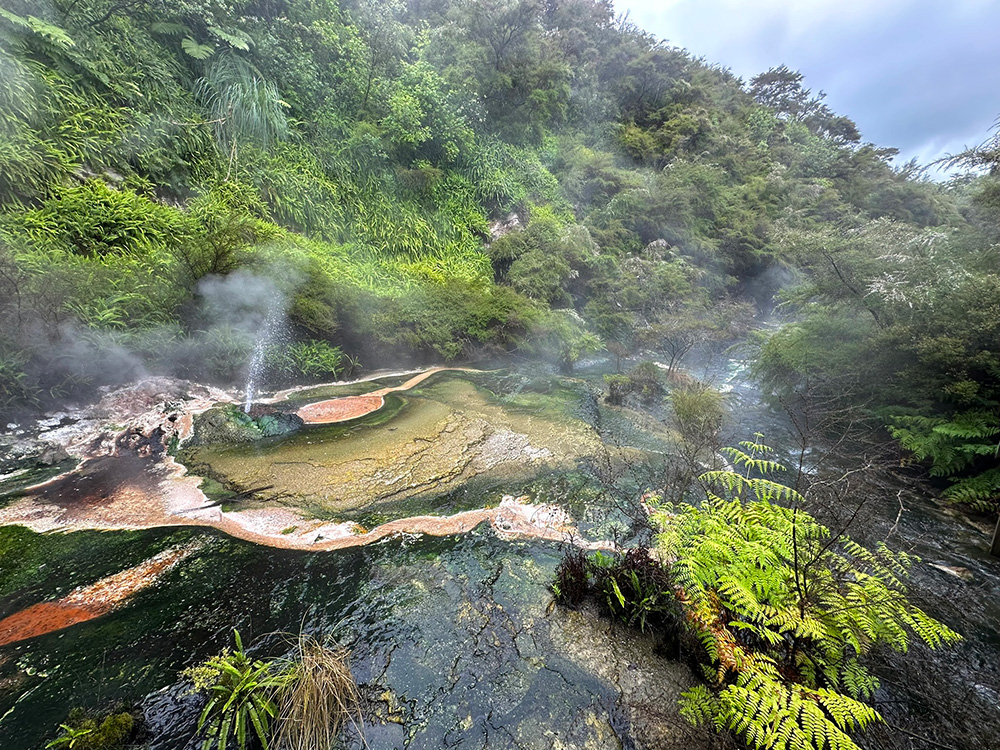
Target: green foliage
370 147
632 587
94 220
644 380
241 104
311 360
241 696
783 610
454 317
299 702
698 415
949 445
563 333
82 732
16 387
954 448
51 33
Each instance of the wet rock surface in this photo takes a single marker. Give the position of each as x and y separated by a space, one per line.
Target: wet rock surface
230 425
20 453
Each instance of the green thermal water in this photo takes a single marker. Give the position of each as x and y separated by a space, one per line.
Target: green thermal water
422 445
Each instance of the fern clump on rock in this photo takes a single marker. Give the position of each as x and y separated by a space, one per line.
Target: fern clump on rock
785 611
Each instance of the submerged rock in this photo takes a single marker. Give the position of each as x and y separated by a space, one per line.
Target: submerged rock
230 424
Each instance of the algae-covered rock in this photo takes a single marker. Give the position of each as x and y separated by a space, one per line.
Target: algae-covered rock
230 424
107 732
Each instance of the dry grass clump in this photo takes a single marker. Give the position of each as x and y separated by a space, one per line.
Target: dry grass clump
320 701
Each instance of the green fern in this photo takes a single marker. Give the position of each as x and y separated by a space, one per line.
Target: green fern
196 50
784 612
51 33
233 37
956 447
980 491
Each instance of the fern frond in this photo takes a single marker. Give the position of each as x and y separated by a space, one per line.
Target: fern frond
233 37
784 636
981 491
196 50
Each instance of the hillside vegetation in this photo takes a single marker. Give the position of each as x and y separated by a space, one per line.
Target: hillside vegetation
442 179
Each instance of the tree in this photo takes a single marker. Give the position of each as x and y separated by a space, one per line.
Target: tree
383 34
242 105
784 611
781 89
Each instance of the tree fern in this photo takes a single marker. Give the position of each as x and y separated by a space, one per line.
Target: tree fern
784 612
195 49
961 448
51 33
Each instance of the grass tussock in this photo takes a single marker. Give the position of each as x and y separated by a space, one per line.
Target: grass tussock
320 702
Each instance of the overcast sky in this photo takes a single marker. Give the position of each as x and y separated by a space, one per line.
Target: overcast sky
920 75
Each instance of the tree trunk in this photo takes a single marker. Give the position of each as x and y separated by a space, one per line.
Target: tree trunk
995 547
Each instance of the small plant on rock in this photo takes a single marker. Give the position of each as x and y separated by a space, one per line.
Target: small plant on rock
572 583
299 702
242 693
319 701
87 732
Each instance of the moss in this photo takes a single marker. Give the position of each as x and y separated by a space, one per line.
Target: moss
82 732
229 424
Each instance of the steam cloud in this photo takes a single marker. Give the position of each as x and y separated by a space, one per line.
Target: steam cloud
225 321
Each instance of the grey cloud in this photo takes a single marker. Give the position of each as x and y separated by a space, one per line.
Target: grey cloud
913 75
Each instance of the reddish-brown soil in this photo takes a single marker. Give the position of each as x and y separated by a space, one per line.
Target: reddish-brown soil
47 617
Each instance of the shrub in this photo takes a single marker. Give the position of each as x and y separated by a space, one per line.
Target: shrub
646 380
572 583
632 587
698 415
16 387
619 387
643 380
784 611
93 220
315 359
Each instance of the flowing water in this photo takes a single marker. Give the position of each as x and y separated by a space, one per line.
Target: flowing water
454 640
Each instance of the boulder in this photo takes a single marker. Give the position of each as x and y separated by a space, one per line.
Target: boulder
230 424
